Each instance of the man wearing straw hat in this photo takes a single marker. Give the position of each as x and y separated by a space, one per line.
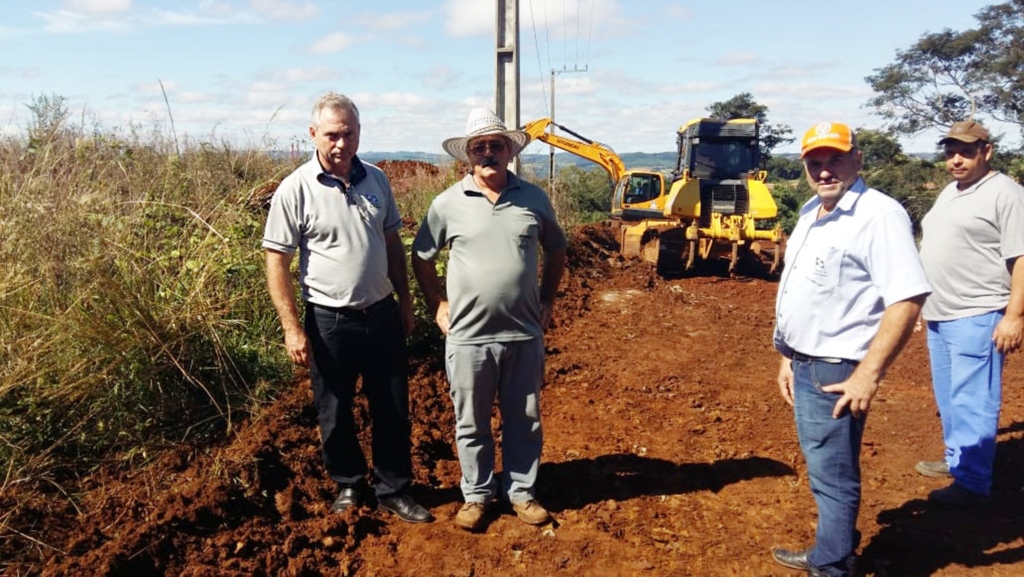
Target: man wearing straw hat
493 312
340 215
971 247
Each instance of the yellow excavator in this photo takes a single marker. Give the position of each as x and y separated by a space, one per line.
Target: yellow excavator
716 206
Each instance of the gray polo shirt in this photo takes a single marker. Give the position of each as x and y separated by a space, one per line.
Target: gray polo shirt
493 292
968 237
339 233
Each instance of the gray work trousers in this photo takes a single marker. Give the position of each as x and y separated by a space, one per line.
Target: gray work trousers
513 372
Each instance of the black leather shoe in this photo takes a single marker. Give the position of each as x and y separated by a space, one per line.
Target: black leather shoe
792 559
348 498
405 508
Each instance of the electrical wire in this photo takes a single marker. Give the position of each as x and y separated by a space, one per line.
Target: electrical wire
533 24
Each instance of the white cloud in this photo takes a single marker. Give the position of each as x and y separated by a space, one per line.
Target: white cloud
678 12
282 10
393 21
738 59
98 7
154 87
440 77
333 42
465 18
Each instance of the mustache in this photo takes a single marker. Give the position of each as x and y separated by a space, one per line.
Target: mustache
489 162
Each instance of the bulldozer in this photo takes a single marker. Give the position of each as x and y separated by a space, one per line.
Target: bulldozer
716 205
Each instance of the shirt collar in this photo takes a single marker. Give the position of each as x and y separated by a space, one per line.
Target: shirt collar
469 185
846 202
356 174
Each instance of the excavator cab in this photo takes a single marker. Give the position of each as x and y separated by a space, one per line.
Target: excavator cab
638 188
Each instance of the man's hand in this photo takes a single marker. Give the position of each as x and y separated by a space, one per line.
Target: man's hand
297 344
1009 334
441 316
786 380
408 317
545 314
858 390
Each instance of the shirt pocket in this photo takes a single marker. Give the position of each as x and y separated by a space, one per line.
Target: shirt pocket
525 230
824 266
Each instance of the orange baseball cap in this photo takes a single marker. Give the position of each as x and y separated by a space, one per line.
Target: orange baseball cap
828 135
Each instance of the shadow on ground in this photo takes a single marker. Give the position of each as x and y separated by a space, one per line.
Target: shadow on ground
574 484
919 538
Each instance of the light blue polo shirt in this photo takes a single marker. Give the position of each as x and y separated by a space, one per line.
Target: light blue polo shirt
842 271
492 286
339 233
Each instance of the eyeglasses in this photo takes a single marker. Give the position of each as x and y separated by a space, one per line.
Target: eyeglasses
492 145
967 152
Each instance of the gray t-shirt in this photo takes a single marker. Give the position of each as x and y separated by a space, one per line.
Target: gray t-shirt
339 234
492 287
968 237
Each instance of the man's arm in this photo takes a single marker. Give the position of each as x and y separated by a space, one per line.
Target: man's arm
430 284
786 379
1009 332
551 275
399 276
282 293
896 326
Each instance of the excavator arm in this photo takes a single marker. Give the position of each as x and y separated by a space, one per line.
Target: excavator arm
584 147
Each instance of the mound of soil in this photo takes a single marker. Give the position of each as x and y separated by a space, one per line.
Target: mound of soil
668 451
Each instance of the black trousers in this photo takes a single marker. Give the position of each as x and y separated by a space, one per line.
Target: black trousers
347 344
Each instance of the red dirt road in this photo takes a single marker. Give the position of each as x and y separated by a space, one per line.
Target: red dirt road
668 452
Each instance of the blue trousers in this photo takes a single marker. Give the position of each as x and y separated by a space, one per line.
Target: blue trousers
512 372
346 346
967 376
831 448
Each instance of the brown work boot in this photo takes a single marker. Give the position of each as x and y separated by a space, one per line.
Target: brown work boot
933 469
532 512
471 516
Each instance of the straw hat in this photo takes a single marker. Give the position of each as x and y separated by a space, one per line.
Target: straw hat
483 122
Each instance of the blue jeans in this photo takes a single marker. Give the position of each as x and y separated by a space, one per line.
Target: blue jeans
346 346
831 448
512 372
967 376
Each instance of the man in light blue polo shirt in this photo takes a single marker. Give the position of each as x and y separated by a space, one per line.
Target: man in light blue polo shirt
339 214
973 238
493 225
849 295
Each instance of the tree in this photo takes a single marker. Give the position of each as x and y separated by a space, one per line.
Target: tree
948 76
743 105
880 149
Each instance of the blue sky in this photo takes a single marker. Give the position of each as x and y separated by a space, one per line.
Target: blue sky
247 71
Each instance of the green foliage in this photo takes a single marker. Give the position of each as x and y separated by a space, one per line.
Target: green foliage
743 105
581 195
945 75
782 168
133 307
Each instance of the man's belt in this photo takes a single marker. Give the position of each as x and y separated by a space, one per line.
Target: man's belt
365 311
809 359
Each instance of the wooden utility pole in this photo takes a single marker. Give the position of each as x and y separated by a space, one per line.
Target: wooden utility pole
506 93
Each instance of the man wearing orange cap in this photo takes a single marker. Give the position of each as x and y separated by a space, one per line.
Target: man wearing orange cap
973 235
850 292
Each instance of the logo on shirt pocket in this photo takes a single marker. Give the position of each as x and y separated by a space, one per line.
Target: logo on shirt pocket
825 266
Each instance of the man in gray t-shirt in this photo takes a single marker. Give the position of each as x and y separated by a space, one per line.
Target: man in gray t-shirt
339 214
493 225
973 236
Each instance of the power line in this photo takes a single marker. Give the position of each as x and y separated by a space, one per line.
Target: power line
577 33
540 71
590 33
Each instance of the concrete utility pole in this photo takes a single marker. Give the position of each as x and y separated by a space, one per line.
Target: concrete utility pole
506 93
551 159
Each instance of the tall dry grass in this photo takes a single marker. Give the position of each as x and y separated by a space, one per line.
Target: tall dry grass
133 310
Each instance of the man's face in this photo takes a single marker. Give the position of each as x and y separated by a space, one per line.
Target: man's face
336 139
967 162
489 154
831 172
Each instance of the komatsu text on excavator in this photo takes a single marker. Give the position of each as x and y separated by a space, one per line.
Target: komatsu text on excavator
716 206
